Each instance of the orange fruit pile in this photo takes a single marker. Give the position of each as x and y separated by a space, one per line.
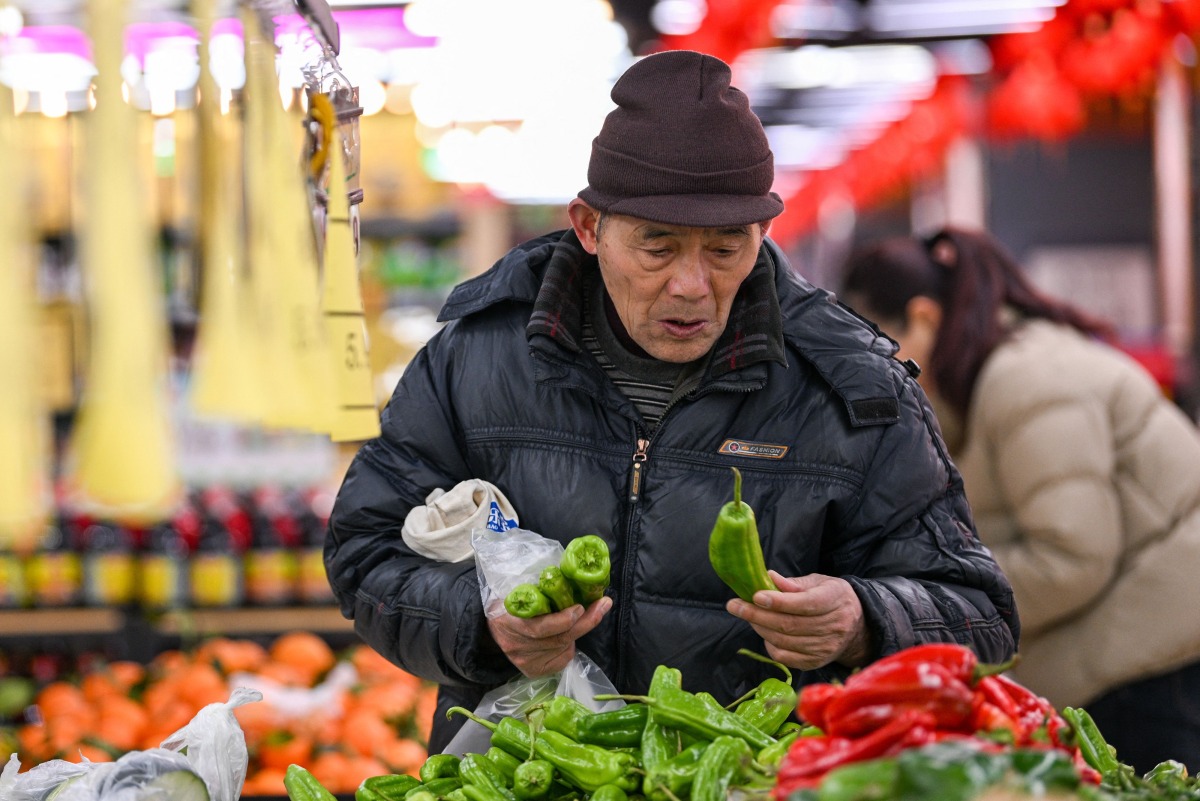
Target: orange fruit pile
379 725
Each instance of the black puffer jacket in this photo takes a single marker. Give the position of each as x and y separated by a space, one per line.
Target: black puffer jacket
864 490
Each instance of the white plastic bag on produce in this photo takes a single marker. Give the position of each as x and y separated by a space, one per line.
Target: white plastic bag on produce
504 559
296 703
39 781
216 746
155 774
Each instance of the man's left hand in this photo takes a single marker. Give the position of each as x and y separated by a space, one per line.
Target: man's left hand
808 622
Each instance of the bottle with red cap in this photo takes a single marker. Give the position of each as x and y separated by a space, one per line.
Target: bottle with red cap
164 570
270 561
217 575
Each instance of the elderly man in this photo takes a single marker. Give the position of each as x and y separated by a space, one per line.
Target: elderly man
607 377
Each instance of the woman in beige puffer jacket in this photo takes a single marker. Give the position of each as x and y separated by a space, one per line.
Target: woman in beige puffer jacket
1084 481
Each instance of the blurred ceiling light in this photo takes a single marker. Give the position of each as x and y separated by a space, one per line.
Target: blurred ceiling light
34 72
53 103
800 19
812 66
930 19
372 96
11 21
678 17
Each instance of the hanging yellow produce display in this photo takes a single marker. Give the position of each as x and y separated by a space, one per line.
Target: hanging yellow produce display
24 476
227 376
120 464
283 253
357 414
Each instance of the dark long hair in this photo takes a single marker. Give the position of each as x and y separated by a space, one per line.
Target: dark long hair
973 277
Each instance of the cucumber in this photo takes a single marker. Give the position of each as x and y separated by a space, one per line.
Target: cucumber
177 785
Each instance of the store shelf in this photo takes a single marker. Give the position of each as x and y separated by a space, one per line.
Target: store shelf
239 622
45 622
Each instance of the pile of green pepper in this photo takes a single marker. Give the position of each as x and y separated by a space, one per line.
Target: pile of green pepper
668 745
580 577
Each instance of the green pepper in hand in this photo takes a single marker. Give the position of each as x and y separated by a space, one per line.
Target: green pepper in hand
555 586
585 563
734 548
526 600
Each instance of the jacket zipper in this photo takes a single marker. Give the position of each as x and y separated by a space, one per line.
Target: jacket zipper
635 480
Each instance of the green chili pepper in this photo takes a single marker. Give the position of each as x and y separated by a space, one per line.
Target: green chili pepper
609 792
695 715
774 753
391 787
438 766
1169 774
483 792
585 563
533 780
505 762
722 764
673 779
555 586
768 705
563 714
422 794
615 728
455 795
584 766
526 600
439 787
1092 746
479 770
659 744
734 548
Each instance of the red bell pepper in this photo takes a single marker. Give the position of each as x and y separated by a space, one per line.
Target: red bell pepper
810 758
813 700
928 687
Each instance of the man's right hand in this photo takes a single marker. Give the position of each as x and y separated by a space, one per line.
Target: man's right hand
542 645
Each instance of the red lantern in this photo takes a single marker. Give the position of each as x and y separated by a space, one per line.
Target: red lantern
1010 49
1036 100
1182 16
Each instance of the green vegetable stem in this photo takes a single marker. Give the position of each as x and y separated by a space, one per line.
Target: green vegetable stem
734 548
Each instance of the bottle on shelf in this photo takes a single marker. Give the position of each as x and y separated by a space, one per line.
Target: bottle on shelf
312 511
217 575
54 570
271 566
13 594
109 565
163 561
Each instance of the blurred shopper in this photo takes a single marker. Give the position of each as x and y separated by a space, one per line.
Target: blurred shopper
1083 478
606 378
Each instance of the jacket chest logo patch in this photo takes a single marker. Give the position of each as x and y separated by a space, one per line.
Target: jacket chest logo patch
755 450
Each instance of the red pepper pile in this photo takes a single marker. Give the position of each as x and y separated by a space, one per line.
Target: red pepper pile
924 694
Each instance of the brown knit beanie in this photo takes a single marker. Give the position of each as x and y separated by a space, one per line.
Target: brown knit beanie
682 147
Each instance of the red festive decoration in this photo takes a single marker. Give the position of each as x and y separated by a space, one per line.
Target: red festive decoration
1036 100
729 28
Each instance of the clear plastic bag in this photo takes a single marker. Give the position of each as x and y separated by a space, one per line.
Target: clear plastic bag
37 782
216 745
503 560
